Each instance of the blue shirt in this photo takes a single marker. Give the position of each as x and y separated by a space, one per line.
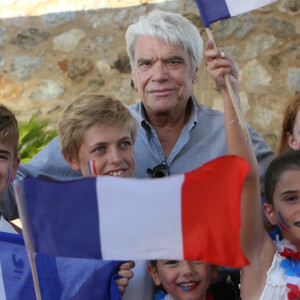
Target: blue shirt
201 140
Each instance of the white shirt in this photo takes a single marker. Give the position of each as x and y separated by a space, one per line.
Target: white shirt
5 226
140 287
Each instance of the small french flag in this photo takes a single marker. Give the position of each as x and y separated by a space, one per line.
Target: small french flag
193 216
92 167
215 10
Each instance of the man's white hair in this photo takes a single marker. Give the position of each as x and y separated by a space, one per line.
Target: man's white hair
172 28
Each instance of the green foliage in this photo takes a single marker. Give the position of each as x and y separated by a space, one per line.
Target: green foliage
34 135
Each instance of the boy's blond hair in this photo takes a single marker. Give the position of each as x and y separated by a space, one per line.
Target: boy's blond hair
9 131
87 111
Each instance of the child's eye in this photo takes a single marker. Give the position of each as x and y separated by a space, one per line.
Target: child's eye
291 198
197 261
171 262
100 149
126 144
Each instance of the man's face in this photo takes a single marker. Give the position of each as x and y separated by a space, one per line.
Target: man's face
8 165
163 76
105 150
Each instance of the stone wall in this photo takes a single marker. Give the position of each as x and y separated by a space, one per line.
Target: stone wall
47 60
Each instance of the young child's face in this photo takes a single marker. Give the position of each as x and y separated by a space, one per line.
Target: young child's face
184 280
8 165
296 129
109 148
285 211
293 138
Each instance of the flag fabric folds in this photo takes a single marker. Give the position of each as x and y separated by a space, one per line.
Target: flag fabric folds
59 277
15 274
214 10
193 216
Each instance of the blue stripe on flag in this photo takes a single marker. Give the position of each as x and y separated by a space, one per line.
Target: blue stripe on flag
12 238
44 205
59 277
212 11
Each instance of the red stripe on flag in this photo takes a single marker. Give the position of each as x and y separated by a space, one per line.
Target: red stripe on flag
211 217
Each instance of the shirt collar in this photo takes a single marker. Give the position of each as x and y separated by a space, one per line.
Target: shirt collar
190 123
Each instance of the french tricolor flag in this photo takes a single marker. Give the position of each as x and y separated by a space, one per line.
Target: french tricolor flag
214 10
193 216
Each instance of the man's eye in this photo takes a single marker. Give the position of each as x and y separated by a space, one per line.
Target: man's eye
174 62
144 63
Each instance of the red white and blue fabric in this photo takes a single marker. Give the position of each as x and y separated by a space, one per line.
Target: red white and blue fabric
215 10
59 277
291 266
193 216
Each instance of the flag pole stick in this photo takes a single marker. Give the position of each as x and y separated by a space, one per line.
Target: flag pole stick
19 193
241 119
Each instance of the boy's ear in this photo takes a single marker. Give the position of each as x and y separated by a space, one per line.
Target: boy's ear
72 161
270 214
291 141
15 167
154 274
214 271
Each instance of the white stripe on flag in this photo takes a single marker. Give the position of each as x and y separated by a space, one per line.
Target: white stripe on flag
153 205
2 289
237 7
293 280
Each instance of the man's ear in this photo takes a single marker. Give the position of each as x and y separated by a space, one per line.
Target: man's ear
291 141
154 274
195 75
270 214
72 161
134 80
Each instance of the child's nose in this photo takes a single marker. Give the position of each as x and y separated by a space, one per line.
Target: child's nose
187 267
115 156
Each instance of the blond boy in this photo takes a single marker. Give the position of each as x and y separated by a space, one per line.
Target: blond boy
97 135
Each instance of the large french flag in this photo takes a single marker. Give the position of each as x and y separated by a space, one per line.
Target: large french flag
194 216
59 277
214 10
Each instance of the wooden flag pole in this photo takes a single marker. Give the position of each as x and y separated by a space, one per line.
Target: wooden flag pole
240 116
27 237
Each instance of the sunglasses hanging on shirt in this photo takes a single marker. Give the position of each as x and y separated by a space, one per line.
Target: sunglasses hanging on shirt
160 170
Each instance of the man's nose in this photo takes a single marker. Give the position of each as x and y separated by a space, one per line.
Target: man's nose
160 72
